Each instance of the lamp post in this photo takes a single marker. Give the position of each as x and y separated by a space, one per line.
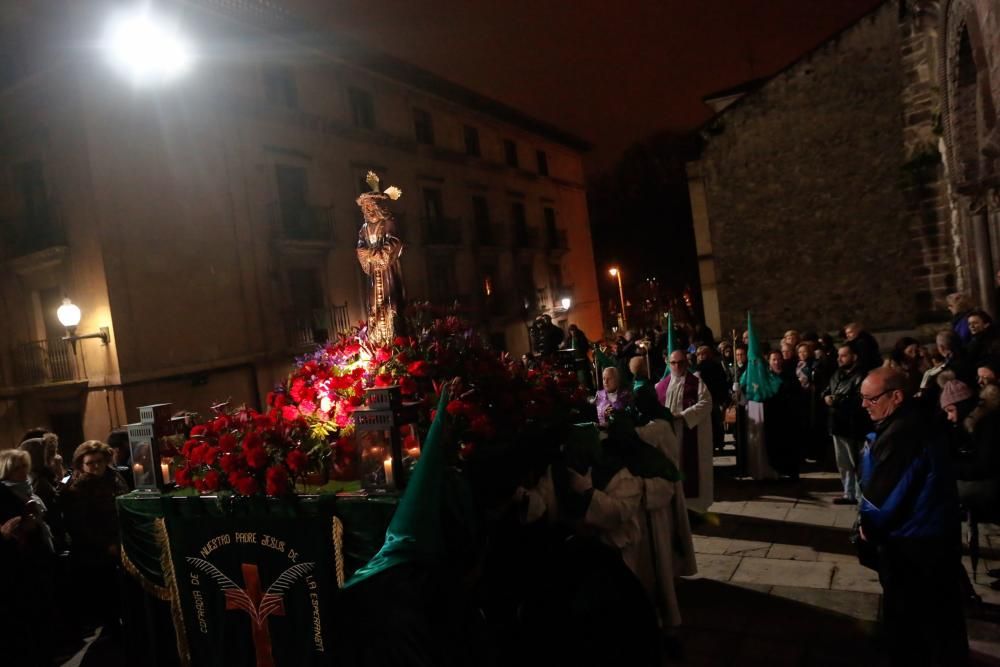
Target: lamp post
69 316
616 273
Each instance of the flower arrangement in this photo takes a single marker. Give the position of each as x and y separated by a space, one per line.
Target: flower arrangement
308 420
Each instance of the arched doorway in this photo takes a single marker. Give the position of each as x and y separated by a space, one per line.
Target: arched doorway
970 131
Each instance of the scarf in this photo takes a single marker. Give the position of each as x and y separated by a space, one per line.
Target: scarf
22 490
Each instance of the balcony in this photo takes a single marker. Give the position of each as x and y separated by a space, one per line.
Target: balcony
301 222
43 362
489 234
525 238
316 326
442 231
33 233
556 240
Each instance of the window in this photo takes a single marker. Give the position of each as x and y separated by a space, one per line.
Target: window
279 87
480 210
472 141
543 163
433 205
510 152
362 108
551 230
517 215
423 127
441 278
481 219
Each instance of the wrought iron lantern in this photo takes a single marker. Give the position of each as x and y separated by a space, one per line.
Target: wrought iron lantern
152 454
388 442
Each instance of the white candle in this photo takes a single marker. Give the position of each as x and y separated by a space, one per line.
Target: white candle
388 472
138 469
165 469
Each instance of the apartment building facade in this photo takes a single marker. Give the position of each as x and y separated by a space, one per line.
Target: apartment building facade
210 225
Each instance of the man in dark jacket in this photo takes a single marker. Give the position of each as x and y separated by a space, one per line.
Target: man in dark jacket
909 521
848 422
713 374
864 345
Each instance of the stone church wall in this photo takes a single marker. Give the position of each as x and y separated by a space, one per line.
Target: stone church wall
813 215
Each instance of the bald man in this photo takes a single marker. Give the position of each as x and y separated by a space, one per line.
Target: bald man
688 400
910 527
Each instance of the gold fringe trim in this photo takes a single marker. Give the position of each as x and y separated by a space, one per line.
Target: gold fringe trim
338 550
157 591
170 579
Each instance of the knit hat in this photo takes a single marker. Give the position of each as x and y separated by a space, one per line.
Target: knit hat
954 392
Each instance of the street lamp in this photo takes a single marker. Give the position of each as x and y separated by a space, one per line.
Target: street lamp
616 273
566 302
146 48
69 316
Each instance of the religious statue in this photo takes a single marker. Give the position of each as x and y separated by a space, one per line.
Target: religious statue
378 253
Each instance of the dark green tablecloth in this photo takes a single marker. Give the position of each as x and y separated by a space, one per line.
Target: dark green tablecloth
151 607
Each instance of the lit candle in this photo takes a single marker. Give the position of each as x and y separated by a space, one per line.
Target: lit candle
165 469
138 469
388 472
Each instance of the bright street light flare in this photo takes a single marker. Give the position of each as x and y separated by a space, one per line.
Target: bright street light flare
146 48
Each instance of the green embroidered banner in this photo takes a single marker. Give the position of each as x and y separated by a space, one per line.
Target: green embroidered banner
250 581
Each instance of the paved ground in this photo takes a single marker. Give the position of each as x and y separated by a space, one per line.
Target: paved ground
779 583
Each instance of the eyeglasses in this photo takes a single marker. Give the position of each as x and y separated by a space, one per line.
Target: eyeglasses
678 363
872 400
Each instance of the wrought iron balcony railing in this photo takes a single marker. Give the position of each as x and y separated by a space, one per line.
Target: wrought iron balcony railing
301 222
43 362
442 231
316 326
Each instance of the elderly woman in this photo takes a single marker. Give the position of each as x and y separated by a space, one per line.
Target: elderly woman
88 504
27 561
612 397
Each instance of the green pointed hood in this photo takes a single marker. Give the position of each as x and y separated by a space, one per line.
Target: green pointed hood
415 532
757 381
670 342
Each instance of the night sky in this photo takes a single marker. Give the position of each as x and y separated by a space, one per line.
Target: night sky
610 76
630 82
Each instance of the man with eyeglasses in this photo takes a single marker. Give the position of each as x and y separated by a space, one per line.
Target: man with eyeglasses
684 394
909 527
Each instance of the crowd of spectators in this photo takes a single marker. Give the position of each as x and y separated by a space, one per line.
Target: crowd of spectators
58 532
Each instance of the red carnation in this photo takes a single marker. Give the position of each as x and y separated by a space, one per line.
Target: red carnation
297 460
245 485
198 430
228 463
399 341
183 476
417 368
289 413
382 355
383 380
455 407
189 446
256 457
277 481
227 442
210 482
220 423
408 386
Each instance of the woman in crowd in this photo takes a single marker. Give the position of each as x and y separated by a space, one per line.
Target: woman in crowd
88 504
782 422
44 481
28 565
